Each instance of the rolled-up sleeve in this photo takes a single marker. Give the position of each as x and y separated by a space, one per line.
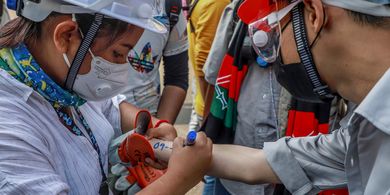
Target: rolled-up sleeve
310 164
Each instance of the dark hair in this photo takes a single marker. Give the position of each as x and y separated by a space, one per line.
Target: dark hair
21 29
110 27
365 19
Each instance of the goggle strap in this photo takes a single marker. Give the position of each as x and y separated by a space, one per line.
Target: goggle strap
82 51
305 54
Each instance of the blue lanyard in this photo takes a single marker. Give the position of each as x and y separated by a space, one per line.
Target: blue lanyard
71 126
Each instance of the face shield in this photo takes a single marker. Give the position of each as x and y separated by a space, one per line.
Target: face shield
265 32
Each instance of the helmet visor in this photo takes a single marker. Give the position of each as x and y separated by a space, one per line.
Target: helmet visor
265 33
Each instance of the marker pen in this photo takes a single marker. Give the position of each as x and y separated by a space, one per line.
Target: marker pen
191 138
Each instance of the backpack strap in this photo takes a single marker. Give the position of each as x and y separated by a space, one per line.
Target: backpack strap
236 18
186 7
191 9
173 9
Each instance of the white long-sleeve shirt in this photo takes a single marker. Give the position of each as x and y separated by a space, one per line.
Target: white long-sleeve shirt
38 155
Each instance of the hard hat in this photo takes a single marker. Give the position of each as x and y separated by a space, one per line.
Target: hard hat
137 12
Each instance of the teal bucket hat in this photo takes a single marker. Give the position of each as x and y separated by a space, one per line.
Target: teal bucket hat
371 7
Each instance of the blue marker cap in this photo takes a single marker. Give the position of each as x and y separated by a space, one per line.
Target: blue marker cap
191 137
12 4
261 62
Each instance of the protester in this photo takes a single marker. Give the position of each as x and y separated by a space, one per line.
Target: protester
317 53
152 49
61 62
321 55
203 18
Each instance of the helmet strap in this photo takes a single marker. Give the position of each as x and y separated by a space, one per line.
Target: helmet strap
303 47
82 51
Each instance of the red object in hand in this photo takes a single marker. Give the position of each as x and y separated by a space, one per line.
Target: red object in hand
136 148
143 174
146 174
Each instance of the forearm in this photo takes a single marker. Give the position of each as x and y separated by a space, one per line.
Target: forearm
171 101
241 163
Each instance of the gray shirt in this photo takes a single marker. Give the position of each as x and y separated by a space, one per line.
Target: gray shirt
257 105
256 121
357 155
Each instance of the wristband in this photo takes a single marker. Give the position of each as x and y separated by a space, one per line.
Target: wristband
160 122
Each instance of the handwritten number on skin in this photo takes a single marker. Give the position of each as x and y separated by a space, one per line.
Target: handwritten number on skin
160 146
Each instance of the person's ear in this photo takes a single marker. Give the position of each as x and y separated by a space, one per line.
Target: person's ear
315 15
66 36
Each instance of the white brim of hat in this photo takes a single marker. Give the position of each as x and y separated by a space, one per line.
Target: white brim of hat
362 6
150 24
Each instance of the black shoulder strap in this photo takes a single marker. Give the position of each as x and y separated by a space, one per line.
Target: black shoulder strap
186 7
191 9
173 9
1 8
235 10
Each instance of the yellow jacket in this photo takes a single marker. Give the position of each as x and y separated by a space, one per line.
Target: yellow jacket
204 18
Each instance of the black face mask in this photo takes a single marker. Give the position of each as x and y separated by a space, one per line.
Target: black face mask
294 79
302 79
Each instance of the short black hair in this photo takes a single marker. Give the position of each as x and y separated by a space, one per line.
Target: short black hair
365 19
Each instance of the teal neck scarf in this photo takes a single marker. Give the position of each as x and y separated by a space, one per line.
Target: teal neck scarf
19 63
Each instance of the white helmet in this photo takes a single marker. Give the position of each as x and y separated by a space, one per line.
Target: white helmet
137 12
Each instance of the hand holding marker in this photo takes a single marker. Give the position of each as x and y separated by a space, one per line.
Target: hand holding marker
132 144
190 140
133 148
163 149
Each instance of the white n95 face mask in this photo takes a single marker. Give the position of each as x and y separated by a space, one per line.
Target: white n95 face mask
105 79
